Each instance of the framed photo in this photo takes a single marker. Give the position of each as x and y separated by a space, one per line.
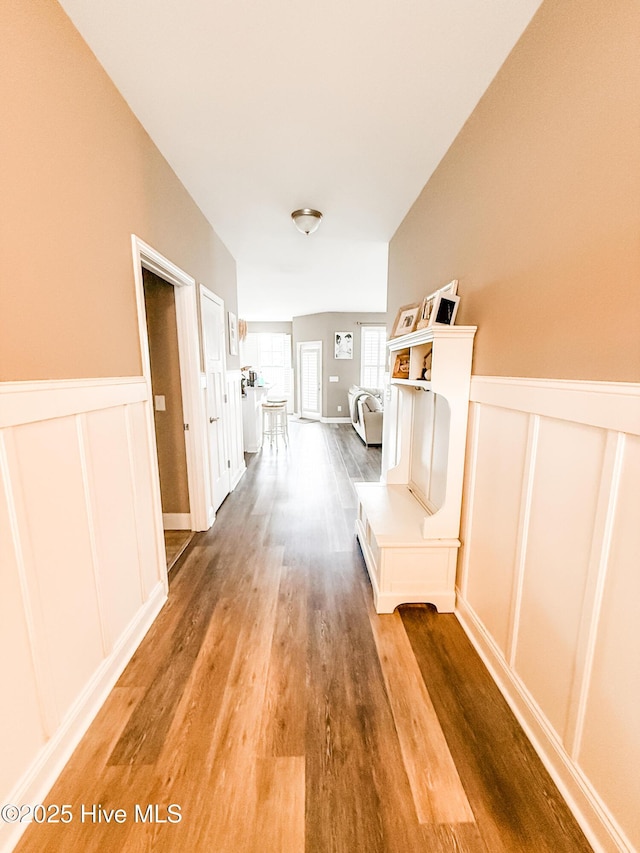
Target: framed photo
432 306
426 310
406 320
451 288
401 365
233 333
343 345
444 310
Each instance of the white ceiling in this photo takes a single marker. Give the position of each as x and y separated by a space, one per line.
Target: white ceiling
265 106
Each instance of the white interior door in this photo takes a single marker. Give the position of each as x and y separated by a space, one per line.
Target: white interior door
212 312
310 386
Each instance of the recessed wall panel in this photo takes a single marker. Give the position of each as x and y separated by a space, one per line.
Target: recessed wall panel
61 562
500 461
611 737
21 730
422 442
144 490
114 518
565 493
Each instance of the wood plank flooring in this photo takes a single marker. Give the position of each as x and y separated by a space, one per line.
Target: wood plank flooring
175 542
279 713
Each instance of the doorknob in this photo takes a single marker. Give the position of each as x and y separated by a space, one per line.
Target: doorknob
211 420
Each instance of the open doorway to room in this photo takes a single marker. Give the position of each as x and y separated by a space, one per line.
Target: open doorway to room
169 420
178 464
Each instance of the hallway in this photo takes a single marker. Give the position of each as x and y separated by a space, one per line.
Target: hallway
270 709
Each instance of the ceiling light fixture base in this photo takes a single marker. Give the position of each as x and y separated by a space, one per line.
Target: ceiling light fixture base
306 220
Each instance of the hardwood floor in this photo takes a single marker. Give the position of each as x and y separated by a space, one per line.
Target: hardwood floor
175 542
279 713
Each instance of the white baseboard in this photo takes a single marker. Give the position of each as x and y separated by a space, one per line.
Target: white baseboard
176 521
35 784
596 821
335 420
239 474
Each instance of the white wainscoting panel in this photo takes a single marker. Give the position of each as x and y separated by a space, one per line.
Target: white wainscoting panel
112 499
47 477
610 743
563 506
22 731
499 470
82 562
147 503
549 581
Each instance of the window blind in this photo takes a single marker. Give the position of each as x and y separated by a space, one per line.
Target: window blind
372 356
269 353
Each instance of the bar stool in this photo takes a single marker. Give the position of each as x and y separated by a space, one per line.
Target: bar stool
274 421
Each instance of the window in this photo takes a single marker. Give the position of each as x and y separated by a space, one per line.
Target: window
269 354
373 356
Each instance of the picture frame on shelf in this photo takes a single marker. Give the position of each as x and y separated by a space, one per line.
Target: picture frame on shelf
440 307
426 310
401 364
445 309
406 320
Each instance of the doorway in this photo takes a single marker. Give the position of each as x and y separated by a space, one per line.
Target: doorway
310 379
148 260
169 419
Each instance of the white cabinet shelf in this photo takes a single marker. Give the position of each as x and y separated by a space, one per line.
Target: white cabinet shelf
413 383
408 524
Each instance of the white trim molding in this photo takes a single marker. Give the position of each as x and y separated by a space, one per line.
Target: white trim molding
548 562
609 405
595 819
29 402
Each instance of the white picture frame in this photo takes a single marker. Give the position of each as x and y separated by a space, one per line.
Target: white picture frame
233 333
431 306
444 310
343 345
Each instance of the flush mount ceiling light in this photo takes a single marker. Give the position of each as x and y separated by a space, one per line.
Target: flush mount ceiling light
306 220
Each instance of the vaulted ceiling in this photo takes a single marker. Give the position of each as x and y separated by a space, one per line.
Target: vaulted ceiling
265 106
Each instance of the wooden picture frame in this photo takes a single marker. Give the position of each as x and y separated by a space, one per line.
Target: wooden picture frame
406 320
401 364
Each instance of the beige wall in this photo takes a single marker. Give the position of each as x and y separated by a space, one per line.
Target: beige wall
79 175
284 327
160 306
322 327
536 206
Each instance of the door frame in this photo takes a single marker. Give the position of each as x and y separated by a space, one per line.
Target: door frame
301 344
145 256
